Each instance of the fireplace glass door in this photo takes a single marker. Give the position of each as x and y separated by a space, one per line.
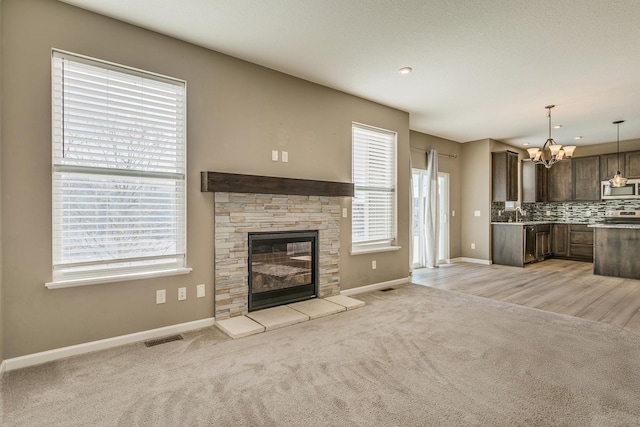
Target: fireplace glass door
283 268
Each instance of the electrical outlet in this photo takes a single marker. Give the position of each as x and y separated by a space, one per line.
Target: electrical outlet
473 246
182 294
587 213
499 213
374 265
200 291
161 296
547 213
344 212
453 213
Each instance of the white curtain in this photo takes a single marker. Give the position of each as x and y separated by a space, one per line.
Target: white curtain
411 248
431 210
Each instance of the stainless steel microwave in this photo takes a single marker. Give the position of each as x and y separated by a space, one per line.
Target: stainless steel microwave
629 191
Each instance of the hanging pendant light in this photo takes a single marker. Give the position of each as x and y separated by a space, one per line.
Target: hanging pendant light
556 151
618 180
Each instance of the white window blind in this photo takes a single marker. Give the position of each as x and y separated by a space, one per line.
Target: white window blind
374 178
119 161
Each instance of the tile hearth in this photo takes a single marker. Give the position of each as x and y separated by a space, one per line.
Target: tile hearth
286 315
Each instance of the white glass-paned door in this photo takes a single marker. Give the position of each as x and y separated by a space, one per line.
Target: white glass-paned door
419 181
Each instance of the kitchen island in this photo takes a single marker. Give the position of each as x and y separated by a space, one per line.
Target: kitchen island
616 250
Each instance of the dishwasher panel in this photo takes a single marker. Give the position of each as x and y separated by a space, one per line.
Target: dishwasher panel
529 243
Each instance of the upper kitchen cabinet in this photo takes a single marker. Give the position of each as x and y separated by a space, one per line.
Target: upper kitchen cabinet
586 178
632 164
534 182
609 165
560 181
504 167
576 179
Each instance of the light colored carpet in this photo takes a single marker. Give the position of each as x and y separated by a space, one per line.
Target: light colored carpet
414 356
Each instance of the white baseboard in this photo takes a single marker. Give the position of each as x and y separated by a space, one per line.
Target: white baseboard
60 353
374 287
472 260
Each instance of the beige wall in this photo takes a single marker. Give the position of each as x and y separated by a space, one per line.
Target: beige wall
476 196
237 113
607 148
420 143
1 134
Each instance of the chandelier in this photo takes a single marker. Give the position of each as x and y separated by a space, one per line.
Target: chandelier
618 180
551 152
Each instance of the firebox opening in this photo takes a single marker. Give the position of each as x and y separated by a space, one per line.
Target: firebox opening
283 268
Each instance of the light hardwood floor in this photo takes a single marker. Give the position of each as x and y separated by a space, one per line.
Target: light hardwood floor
559 286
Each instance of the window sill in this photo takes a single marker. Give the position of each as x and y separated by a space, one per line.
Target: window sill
116 278
363 251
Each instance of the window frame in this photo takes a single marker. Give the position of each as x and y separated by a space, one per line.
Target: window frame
388 243
79 273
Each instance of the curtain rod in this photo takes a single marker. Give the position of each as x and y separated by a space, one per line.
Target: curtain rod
451 156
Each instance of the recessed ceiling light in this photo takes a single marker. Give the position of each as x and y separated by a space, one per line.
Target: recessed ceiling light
405 70
557 126
577 137
526 144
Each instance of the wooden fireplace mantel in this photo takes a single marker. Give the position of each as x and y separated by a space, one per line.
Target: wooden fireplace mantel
240 183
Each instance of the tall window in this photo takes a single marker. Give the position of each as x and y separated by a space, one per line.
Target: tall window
119 161
374 178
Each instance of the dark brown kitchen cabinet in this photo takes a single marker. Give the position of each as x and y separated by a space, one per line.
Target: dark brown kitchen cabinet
507 243
573 241
586 178
576 179
580 242
560 240
609 165
632 164
543 241
560 180
517 244
534 182
504 168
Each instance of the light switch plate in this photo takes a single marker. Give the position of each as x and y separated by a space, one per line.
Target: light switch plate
200 291
161 296
285 156
274 155
476 213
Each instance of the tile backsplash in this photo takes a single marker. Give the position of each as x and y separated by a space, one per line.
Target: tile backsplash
570 212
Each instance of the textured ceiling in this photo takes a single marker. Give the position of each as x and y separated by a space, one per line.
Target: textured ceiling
481 69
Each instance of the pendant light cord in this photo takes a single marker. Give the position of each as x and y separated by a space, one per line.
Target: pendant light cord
618 146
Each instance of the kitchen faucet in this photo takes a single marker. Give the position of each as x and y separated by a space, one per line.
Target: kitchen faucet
519 209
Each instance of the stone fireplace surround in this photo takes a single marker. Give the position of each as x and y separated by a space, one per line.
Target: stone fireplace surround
241 208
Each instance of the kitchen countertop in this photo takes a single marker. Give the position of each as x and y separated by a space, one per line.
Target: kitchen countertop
601 225
535 222
592 225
